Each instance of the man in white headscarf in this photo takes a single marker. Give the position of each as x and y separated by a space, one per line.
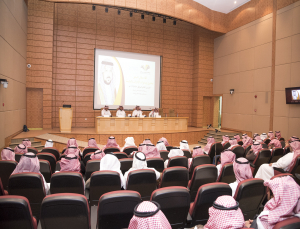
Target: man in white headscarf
137 112
263 136
129 141
184 145
160 145
105 112
121 113
139 162
49 143
175 151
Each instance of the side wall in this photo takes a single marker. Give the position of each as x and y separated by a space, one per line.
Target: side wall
13 38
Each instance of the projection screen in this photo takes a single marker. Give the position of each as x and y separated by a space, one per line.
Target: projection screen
125 78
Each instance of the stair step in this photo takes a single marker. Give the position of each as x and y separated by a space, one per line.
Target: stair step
19 140
33 144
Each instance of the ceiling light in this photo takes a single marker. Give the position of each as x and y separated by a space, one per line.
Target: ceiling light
234 2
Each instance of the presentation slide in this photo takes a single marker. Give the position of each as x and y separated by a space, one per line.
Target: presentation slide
127 79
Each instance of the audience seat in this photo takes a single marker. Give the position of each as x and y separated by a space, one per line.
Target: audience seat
164 154
15 213
206 195
91 166
226 145
174 203
295 170
2 191
267 141
63 151
227 174
262 157
6 169
86 158
169 148
128 150
199 160
126 164
111 150
248 147
29 185
143 181
49 157
187 153
156 163
57 167
292 223
203 174
276 154
115 209
215 149
120 155
32 150
52 150
238 151
287 150
240 143
89 150
103 182
174 176
61 211
250 193
45 170
178 161
67 182
282 142
18 157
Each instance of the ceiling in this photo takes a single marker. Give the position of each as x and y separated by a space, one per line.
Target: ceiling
223 6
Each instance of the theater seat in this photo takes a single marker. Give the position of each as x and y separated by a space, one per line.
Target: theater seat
262 157
2 191
174 176
52 150
267 141
238 151
227 174
115 209
205 197
240 143
250 193
156 163
292 223
18 157
63 211
203 174
111 150
57 167
178 161
276 154
187 153
32 150
174 203
15 213
128 150
67 182
164 154
226 145
49 157
215 149
103 182
142 181
45 170
126 164
86 158
29 185
120 155
248 147
6 169
89 150
199 160
169 148
91 166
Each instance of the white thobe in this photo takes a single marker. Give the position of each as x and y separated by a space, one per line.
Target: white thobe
153 114
219 167
131 169
137 113
266 172
104 112
121 113
233 187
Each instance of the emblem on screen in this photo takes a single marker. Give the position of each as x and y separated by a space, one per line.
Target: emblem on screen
145 67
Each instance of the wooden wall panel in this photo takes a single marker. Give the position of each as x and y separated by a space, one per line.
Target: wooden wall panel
34 109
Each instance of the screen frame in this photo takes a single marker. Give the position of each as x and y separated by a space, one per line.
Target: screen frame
289 89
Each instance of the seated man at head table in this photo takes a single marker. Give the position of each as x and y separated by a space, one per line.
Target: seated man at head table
154 113
121 112
105 112
137 112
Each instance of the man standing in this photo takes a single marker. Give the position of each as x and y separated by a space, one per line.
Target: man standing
105 112
121 113
137 112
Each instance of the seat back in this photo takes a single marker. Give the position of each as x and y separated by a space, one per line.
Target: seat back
292 223
103 182
120 155
115 209
60 211
226 145
215 149
18 157
29 185
187 153
240 142
276 154
57 167
89 150
91 166
295 170
128 150
248 147
15 212
67 182
178 161
227 174
156 163
267 141
45 169
175 176
174 203
250 193
2 191
143 181
126 164
111 150
52 150
287 150
238 151
86 158
164 154
49 157
203 174
63 151
282 143
169 148
32 150
262 157
6 169
205 197
199 160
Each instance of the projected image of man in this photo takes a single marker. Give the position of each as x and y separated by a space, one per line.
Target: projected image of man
108 83
296 95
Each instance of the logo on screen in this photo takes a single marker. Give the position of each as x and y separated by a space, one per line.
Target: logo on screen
145 67
296 94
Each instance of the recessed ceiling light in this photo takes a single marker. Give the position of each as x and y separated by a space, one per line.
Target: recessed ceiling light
234 2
